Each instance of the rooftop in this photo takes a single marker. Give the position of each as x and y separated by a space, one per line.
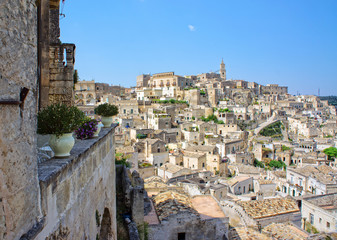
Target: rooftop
269 207
172 202
207 207
285 231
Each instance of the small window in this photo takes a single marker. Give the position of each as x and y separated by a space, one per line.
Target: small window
311 218
320 220
181 236
327 224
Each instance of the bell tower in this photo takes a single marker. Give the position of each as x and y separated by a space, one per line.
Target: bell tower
223 70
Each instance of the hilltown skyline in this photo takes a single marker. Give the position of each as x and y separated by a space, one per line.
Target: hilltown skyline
288 43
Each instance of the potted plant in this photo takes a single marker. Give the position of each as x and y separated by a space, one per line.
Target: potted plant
88 129
60 121
106 111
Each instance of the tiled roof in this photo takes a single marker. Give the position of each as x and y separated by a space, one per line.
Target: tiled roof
269 207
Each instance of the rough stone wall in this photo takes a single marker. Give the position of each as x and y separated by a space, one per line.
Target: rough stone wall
61 73
80 195
194 228
19 191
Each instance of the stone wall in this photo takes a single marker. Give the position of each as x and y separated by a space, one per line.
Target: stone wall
147 172
61 73
135 198
78 192
19 191
190 224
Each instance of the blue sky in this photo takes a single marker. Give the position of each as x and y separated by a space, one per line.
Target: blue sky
289 42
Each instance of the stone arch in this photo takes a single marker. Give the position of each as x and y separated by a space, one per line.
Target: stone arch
106 226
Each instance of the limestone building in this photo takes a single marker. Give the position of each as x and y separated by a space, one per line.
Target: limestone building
320 212
46 199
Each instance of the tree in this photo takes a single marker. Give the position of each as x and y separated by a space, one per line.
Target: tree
331 152
76 77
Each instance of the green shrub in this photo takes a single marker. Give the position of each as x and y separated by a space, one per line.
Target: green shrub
224 110
277 164
59 119
285 148
141 136
211 117
106 110
273 130
144 165
258 163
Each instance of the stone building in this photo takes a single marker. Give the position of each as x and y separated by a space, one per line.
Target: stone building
85 96
161 84
154 151
310 179
158 119
49 199
19 184
142 80
273 89
169 170
267 211
176 216
56 69
194 160
320 211
240 185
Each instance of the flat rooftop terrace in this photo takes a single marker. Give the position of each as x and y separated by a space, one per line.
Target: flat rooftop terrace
207 207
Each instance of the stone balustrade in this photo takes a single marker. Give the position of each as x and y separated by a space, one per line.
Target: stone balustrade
69 184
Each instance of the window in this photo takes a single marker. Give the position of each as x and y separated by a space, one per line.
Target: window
158 150
311 216
203 164
124 111
181 236
131 111
327 224
320 220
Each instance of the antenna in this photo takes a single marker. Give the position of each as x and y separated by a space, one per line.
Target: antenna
319 92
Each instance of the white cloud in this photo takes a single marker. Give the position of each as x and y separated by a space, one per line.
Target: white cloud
191 27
